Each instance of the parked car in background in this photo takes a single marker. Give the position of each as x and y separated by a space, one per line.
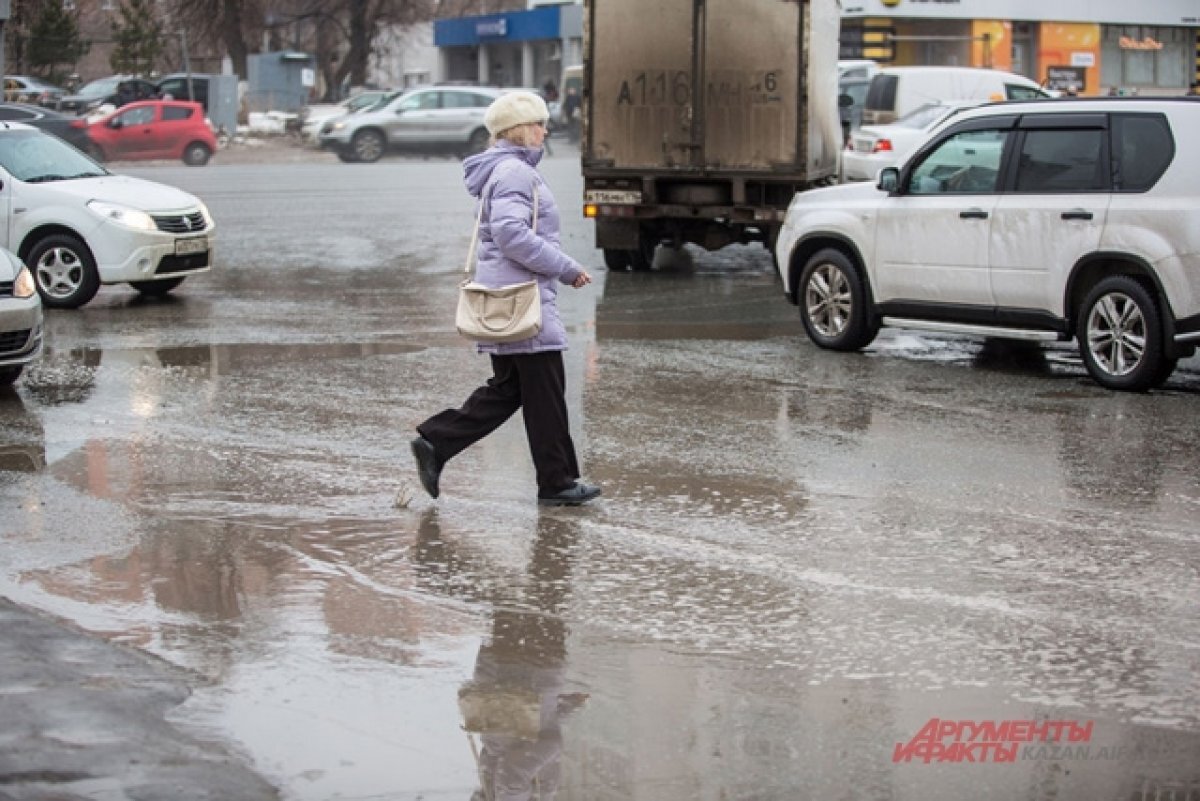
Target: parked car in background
25 89
1045 221
429 118
873 147
153 129
63 126
20 318
895 91
857 69
78 226
313 117
852 92
107 91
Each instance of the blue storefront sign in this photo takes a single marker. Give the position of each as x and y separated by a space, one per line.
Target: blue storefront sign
513 26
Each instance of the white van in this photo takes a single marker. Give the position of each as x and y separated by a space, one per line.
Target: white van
895 91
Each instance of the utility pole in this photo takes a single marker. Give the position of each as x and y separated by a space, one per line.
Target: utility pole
187 64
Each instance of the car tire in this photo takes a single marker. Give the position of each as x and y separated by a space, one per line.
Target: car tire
834 304
368 146
617 261
156 289
478 141
346 156
64 271
196 154
1120 334
9 375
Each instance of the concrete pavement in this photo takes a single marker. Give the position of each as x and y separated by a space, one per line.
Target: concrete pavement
82 718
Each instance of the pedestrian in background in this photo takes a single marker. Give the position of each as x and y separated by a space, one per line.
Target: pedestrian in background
528 374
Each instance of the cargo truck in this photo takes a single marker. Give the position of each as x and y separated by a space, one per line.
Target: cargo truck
665 163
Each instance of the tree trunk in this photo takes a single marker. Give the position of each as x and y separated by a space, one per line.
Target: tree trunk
231 33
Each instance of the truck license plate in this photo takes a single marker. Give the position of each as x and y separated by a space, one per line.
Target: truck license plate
185 247
612 196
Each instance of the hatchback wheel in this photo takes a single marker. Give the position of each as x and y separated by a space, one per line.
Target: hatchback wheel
367 146
64 270
1120 335
9 375
833 302
196 154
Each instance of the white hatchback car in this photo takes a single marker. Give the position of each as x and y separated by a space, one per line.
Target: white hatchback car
873 147
1047 220
78 226
20 318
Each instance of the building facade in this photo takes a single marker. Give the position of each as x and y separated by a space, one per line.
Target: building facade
517 48
1089 46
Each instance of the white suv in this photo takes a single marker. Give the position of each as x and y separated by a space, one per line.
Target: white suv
1045 220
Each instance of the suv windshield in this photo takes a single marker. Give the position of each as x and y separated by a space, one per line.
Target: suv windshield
923 115
35 157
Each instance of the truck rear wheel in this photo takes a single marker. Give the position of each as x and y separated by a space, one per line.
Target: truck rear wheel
617 261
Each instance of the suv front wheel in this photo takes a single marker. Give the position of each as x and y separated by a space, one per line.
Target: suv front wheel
1120 334
832 296
368 146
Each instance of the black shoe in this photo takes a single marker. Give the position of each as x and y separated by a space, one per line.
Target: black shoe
574 495
428 466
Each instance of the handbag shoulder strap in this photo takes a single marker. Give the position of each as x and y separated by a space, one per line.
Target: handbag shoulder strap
474 239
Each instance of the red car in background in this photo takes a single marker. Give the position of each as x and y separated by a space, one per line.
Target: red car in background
152 129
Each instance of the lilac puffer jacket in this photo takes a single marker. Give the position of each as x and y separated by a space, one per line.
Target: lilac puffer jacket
509 251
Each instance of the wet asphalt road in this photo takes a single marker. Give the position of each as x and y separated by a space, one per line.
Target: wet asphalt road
801 557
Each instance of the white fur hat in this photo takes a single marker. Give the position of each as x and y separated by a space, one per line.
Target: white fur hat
512 109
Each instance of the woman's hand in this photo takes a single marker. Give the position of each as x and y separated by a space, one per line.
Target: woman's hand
583 280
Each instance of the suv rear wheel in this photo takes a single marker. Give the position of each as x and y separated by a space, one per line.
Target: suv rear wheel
1120 335
833 302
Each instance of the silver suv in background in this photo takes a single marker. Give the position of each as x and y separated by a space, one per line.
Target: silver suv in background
431 118
1046 220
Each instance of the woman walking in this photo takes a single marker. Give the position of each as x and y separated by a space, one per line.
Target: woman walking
527 374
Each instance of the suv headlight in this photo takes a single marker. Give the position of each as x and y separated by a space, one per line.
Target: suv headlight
24 287
123 215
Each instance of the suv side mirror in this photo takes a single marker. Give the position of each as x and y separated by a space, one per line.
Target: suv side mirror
889 179
845 101
115 122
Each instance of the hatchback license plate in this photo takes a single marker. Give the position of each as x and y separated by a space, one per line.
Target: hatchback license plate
185 247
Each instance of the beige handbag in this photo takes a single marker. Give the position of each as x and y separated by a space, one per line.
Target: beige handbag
498 314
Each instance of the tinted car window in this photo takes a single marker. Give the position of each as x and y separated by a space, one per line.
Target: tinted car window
421 100
459 100
965 163
1144 147
1062 160
176 113
137 116
882 94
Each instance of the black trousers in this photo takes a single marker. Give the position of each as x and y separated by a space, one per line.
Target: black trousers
535 383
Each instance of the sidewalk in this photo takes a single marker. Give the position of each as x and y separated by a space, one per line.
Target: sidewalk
86 719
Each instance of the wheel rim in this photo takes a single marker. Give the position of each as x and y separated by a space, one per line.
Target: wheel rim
368 147
1116 334
828 301
59 272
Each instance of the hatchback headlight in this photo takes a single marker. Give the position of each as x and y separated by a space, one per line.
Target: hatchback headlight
24 287
123 215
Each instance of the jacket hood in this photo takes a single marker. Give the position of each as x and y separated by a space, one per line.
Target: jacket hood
477 169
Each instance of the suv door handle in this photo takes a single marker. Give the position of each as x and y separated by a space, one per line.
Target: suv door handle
1077 214
973 214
